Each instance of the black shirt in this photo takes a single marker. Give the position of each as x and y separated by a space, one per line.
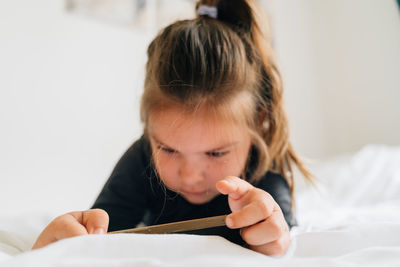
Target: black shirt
135 194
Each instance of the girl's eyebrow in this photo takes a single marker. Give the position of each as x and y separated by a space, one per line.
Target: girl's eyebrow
161 143
215 149
225 146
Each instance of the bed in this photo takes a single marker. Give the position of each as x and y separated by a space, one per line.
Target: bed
351 218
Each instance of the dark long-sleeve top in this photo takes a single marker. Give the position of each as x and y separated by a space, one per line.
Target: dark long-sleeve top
134 194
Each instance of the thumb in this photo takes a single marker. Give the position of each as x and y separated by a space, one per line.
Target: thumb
96 221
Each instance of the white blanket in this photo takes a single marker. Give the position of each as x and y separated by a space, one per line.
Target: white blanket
351 219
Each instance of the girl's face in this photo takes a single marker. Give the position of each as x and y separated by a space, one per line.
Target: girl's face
193 152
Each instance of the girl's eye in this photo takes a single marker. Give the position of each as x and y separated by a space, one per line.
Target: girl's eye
166 149
217 154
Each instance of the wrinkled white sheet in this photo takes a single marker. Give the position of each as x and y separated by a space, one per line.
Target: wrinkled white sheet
351 219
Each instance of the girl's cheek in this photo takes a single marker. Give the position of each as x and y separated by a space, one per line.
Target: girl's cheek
218 169
228 166
167 168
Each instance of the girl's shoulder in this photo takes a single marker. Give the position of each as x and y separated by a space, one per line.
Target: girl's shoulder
272 180
135 163
140 147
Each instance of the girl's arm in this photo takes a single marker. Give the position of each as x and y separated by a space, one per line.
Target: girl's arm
263 226
124 195
120 205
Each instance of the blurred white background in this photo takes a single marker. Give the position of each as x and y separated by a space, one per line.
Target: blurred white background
70 88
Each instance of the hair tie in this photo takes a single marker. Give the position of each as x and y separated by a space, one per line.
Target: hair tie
210 11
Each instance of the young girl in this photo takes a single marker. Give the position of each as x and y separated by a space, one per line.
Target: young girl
215 137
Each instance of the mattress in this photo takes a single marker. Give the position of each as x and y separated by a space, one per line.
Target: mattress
350 218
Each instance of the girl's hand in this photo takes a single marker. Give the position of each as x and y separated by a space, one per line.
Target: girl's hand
263 225
76 223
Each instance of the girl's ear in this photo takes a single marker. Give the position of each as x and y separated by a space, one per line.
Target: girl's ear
262 122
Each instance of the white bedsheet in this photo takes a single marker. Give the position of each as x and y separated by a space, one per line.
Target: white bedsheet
351 219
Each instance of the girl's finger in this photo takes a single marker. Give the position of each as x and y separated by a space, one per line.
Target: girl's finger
252 213
68 226
266 231
95 221
234 187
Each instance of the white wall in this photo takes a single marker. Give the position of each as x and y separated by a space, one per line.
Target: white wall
69 91
340 61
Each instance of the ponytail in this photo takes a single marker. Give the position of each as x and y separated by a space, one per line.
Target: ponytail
275 153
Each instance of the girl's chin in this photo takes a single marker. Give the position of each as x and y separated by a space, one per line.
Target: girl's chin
197 199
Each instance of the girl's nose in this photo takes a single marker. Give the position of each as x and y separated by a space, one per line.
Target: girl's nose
190 173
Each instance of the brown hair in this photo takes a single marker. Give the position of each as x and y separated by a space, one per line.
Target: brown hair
207 61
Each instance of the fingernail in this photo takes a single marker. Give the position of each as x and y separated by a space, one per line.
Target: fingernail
229 222
227 181
98 231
